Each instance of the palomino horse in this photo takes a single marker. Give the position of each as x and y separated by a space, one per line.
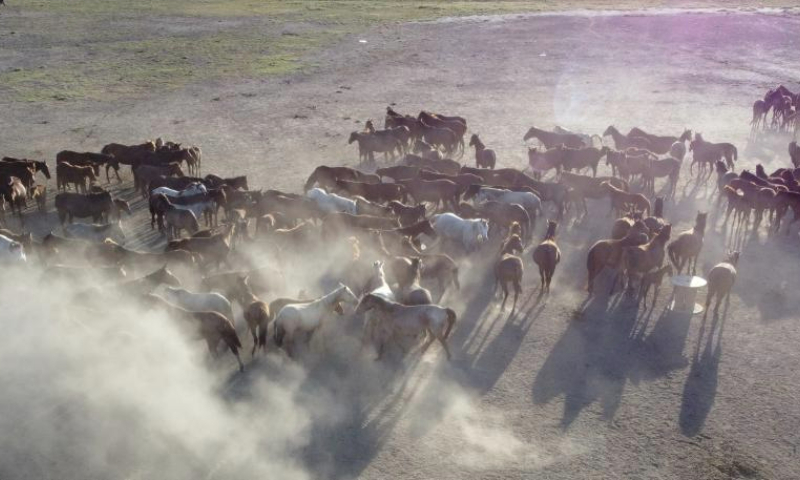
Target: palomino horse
294 319
397 321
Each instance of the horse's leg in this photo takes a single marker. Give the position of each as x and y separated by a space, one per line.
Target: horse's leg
430 337
443 341
542 278
517 290
505 294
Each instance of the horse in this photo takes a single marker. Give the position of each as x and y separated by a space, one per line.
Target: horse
14 193
547 255
400 133
398 172
641 259
330 202
608 253
214 248
470 234
326 177
659 144
504 214
436 192
76 175
529 201
551 139
88 159
369 143
96 233
580 158
794 153
484 157
687 246
721 279
760 110
706 153
398 321
145 173
457 125
412 293
666 167
177 217
407 214
622 200
199 302
446 166
508 269
653 278
236 183
213 326
379 192
442 137
256 314
307 318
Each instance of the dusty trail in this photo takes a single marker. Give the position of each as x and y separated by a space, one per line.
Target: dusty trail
615 393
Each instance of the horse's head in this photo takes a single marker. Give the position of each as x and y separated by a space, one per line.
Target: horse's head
685 136
353 137
473 140
552 225
175 169
531 133
665 232
733 257
42 167
377 267
609 131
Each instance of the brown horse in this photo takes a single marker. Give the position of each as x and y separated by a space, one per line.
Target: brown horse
398 172
659 144
379 192
14 193
687 246
706 153
652 279
212 326
434 191
640 259
608 253
144 174
369 144
256 314
326 177
446 166
484 157
580 158
552 139
622 200
547 255
67 174
666 167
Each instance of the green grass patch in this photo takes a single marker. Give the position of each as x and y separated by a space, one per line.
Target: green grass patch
108 49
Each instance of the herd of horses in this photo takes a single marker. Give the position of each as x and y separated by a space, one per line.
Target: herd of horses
784 106
386 243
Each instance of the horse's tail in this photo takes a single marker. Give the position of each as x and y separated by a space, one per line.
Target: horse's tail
673 256
263 328
280 332
451 320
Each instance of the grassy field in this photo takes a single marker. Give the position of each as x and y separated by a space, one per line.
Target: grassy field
68 50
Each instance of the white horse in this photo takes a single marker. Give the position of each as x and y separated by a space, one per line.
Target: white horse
330 202
678 150
469 233
11 251
307 317
192 189
398 321
199 302
96 233
527 200
381 288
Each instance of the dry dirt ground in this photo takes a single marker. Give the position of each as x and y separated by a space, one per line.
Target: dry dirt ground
552 391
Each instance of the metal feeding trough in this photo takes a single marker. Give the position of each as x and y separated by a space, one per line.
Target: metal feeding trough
685 292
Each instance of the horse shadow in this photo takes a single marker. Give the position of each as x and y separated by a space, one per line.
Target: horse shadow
700 389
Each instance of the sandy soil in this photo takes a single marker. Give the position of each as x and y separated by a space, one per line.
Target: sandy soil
609 393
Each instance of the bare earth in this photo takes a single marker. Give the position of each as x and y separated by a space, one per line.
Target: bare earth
547 393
